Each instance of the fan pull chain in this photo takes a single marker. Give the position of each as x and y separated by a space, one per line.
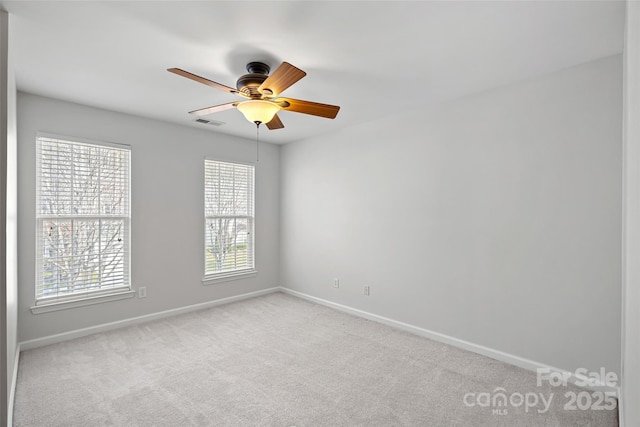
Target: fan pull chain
257 141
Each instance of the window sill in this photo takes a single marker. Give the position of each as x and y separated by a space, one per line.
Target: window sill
226 277
64 305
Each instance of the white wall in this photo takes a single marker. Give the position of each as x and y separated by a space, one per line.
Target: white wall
630 415
167 211
495 219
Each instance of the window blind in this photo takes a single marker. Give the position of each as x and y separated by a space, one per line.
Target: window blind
229 218
83 219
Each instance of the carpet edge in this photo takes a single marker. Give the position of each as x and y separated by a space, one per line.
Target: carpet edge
78 333
511 359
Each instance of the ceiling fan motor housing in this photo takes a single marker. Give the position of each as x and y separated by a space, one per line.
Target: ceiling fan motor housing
249 83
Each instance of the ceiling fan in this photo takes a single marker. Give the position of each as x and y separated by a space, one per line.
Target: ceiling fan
262 91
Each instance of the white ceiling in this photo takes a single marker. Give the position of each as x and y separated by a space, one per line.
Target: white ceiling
371 58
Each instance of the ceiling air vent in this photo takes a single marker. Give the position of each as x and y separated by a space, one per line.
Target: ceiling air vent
209 122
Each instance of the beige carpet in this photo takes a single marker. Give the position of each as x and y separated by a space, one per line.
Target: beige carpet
275 361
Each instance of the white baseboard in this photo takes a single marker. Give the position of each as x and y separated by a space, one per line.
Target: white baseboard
511 359
78 333
12 387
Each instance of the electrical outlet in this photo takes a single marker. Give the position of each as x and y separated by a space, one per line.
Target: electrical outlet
336 283
367 291
142 292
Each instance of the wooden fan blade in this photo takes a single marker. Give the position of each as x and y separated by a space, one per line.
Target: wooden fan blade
202 80
283 77
308 107
214 109
275 123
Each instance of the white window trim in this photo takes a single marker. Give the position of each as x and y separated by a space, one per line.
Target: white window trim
80 302
227 276
83 140
89 298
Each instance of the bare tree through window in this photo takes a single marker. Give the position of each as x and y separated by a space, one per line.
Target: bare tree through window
83 218
229 216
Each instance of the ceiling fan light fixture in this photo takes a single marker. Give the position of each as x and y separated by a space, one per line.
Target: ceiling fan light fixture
258 110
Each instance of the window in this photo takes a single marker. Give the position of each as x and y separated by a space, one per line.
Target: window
83 219
229 219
